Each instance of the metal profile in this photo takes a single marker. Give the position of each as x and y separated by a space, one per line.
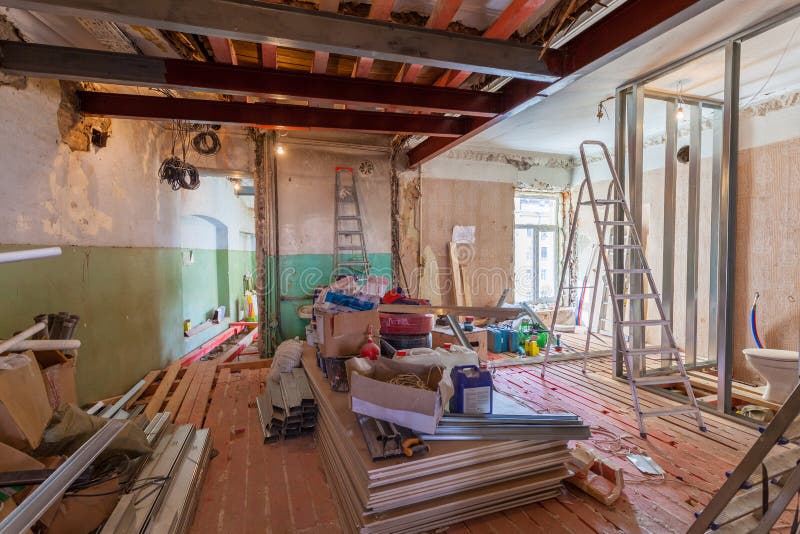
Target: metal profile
670 188
693 233
303 387
114 408
291 396
43 497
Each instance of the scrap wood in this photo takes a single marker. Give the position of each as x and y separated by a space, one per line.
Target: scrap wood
154 406
261 363
595 476
175 401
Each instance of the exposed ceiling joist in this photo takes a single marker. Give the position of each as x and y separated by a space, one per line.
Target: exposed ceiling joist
441 16
623 30
66 63
509 21
267 115
327 32
379 10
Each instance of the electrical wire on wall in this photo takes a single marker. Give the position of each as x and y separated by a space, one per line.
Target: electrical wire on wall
174 170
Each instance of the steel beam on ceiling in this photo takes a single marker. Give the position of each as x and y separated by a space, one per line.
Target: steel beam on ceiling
67 63
274 116
294 27
623 30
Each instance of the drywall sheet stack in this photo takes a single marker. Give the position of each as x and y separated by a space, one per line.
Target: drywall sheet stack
456 480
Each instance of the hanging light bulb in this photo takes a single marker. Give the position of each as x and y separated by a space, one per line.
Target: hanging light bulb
279 150
679 112
237 186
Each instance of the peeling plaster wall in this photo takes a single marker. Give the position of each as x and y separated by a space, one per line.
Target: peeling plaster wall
123 270
470 186
306 186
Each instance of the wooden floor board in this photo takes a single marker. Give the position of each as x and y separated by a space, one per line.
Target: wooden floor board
281 487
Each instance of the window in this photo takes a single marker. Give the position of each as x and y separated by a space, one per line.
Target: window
536 247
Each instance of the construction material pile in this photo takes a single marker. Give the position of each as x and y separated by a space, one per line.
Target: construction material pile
164 493
453 481
287 408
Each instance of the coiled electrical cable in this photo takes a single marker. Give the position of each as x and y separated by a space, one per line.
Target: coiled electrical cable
206 143
179 174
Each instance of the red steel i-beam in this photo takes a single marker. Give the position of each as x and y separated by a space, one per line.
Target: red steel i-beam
268 115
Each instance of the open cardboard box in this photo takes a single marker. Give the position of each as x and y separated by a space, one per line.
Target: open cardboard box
58 372
24 408
414 408
343 334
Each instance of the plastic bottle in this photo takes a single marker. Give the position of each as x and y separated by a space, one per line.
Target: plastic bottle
369 349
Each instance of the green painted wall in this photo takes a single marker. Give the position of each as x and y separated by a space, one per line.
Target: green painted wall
301 273
131 303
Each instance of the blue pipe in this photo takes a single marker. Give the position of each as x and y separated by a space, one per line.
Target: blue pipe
754 324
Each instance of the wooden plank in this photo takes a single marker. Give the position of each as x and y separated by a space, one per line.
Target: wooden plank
175 401
154 406
261 363
185 412
455 272
198 414
148 379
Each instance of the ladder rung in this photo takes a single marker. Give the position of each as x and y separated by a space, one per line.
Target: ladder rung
348 217
645 322
793 432
776 465
616 223
349 232
602 202
658 380
744 504
674 410
350 263
640 296
621 247
628 271
351 248
651 350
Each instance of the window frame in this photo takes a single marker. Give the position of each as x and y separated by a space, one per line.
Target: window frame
537 230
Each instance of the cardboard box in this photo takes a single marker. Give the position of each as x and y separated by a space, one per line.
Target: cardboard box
343 334
414 408
58 372
24 408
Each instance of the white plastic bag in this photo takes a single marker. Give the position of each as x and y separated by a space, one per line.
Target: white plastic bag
287 357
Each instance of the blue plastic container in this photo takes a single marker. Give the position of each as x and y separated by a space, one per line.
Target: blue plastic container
497 339
513 340
473 390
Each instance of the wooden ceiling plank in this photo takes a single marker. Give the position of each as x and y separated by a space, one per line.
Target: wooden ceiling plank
441 17
509 21
379 10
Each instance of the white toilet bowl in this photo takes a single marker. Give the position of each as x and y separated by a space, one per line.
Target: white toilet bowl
778 367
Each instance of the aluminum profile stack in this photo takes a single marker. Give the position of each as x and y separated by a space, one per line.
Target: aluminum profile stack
455 481
167 486
287 408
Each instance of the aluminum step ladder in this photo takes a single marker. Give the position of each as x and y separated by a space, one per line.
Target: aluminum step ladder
350 248
629 329
760 488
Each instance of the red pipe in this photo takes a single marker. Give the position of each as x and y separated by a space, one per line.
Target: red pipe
210 345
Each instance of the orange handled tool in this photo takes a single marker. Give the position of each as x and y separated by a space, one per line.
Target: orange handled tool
414 446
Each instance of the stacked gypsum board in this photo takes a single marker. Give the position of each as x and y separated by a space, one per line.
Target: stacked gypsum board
455 481
287 408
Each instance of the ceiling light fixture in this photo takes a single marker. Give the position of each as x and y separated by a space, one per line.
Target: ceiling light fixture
679 114
280 150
